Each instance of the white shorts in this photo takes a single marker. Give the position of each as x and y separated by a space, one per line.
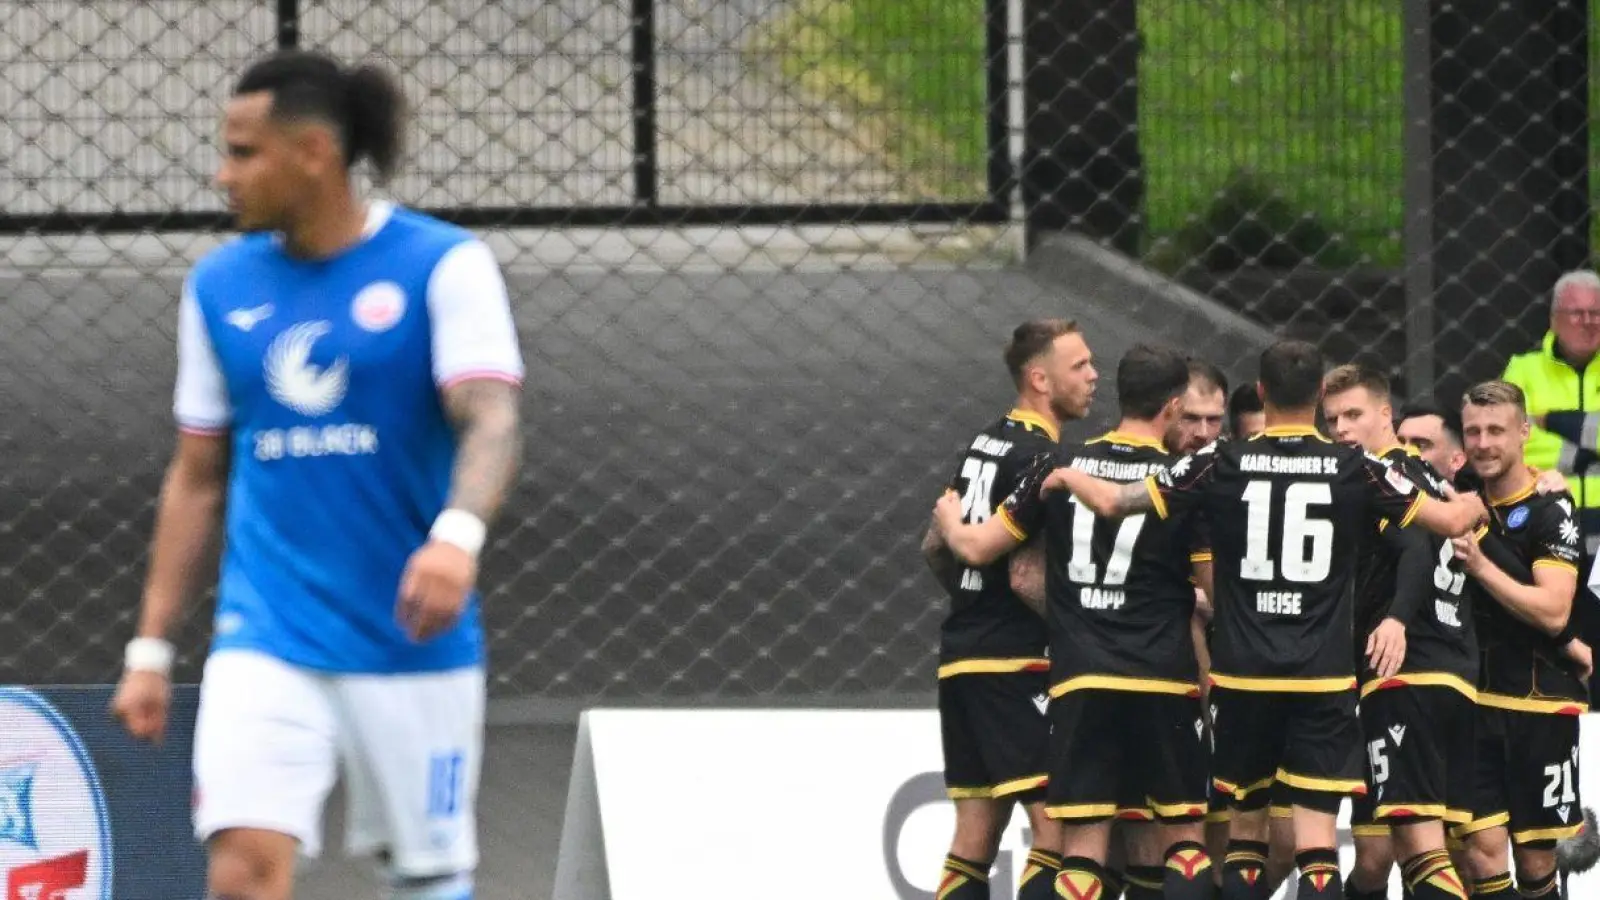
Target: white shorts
271 735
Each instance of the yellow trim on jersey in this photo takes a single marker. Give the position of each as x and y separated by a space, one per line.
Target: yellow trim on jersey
1219 815
1201 556
1331 785
1280 812
1082 811
1017 785
1125 683
1550 562
1369 831
1011 525
1476 825
1457 816
1422 679
1481 532
1550 707
1294 431
1518 497
994 666
1156 500
1404 810
1287 685
1413 509
1029 417
1130 440
1545 834
967 793
1407 449
1177 810
1239 793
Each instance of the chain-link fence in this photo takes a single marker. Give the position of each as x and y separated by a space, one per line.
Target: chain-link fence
739 405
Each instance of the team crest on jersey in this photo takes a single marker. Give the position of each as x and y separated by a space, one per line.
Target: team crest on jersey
378 306
1517 518
294 381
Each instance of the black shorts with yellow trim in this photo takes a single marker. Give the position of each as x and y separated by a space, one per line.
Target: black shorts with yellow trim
1418 730
1525 770
1126 747
995 728
1302 734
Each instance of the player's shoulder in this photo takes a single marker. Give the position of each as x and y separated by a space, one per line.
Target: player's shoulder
1023 435
216 277
1556 506
430 235
1115 445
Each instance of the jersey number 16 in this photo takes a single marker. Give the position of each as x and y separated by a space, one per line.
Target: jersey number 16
1307 547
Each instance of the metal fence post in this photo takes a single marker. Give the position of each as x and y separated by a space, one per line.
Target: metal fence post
1418 189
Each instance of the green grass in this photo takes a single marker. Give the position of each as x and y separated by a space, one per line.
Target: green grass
915 68
1303 94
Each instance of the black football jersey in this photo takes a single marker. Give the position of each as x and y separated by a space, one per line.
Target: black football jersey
1118 590
1286 511
1521 668
1394 566
987 620
1441 640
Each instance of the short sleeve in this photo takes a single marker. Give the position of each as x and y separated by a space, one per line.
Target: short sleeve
1023 511
1179 487
1391 494
200 398
473 332
1556 538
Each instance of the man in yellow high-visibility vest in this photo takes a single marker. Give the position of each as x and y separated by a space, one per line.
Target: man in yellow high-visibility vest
1561 381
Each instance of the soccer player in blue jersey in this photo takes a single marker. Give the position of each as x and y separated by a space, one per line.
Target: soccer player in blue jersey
347 405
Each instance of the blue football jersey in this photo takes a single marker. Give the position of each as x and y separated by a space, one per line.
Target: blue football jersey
326 375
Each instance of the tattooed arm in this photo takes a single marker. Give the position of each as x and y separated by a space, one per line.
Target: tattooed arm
488 422
1027 575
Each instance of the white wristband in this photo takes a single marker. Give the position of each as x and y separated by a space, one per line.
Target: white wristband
461 528
148 654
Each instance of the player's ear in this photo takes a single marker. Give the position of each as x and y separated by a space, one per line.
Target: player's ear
317 149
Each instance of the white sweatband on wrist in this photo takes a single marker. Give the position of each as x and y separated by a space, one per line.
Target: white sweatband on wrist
148 654
460 528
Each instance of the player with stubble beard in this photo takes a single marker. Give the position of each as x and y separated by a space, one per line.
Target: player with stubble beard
993 671
1522 572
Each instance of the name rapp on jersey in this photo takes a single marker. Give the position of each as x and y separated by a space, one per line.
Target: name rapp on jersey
312 390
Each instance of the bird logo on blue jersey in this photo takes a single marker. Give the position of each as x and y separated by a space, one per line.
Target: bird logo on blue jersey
295 382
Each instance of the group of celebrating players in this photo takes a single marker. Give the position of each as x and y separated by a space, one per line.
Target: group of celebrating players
1180 651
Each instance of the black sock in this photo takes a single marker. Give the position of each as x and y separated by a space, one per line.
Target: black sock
1244 872
1115 881
1351 893
1081 878
1039 876
963 879
1432 876
1496 888
1546 888
1188 873
1144 882
1319 874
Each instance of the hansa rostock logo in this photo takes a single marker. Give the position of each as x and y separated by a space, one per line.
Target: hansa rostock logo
55 836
